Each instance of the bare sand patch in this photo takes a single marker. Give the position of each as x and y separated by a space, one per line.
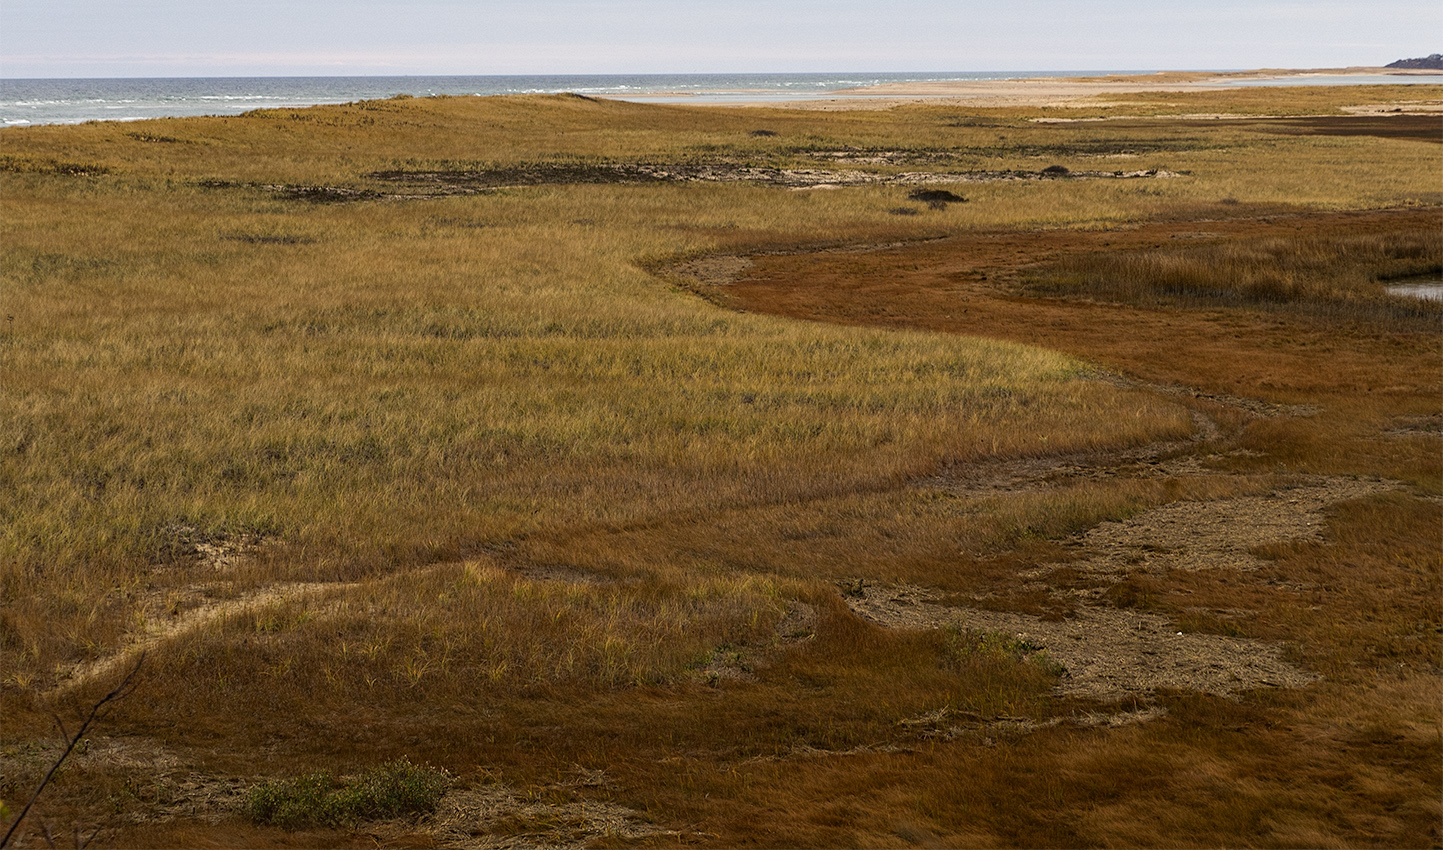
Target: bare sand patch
1058 92
497 817
1219 534
1107 654
426 184
158 783
1402 107
1110 653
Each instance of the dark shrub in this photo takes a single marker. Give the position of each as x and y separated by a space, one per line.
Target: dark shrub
936 198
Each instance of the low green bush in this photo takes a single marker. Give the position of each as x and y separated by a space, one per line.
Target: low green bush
389 790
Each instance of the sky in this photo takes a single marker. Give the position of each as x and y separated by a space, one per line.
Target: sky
186 38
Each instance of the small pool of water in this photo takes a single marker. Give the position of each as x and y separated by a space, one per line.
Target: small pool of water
1430 291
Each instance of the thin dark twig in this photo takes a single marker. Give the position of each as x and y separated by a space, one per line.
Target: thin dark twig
64 733
120 692
81 845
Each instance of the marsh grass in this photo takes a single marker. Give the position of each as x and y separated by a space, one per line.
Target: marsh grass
544 488
458 632
1338 276
377 385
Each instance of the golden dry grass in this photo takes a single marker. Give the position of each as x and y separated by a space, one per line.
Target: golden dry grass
1342 275
471 479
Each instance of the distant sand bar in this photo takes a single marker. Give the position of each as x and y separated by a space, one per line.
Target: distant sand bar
1069 91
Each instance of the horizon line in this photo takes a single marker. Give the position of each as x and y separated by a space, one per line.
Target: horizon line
1069 71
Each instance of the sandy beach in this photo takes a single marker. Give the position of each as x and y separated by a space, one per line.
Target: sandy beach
1073 91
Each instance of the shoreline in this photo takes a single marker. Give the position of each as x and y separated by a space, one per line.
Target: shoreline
1066 91
58 102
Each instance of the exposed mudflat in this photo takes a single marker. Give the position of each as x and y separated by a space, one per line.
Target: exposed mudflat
1111 652
164 783
1423 128
1218 534
1107 653
421 184
496 817
727 172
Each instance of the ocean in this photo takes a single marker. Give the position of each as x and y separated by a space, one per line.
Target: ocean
71 101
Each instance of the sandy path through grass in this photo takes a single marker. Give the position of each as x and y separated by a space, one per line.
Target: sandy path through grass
153 632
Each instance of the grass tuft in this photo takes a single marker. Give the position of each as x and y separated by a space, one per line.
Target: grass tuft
391 790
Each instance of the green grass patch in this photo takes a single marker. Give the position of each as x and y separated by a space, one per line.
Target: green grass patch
391 790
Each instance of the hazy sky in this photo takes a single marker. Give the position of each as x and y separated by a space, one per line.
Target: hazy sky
102 38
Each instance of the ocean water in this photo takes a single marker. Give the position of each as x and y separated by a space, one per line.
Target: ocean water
71 101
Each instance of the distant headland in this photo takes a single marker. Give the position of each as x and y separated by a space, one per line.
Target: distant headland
1433 62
